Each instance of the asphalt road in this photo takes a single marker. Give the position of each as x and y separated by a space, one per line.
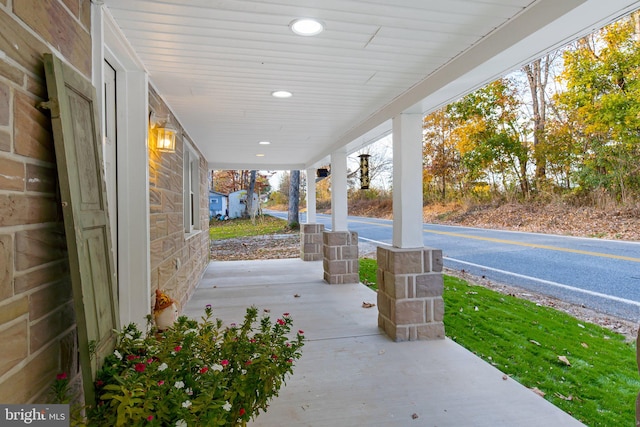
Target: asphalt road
600 274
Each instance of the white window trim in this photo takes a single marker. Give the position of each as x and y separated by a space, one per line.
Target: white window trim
191 189
134 268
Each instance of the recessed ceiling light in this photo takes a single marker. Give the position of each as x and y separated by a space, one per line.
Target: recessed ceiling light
281 94
306 26
264 143
259 155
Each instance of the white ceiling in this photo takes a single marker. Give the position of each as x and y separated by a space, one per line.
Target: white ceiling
216 63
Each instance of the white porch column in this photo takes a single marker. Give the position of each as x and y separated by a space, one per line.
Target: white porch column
339 207
410 285
339 246
407 181
311 195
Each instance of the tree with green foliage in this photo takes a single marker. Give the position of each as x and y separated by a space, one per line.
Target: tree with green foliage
441 157
492 136
601 105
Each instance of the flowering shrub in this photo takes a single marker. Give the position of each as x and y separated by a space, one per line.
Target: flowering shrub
196 373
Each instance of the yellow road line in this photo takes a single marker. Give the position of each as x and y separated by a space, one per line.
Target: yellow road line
534 245
529 245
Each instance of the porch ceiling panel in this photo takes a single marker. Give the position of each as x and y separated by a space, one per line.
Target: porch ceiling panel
216 63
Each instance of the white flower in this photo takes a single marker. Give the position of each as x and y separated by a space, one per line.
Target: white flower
226 406
189 392
163 367
186 403
244 371
128 336
181 423
191 331
179 384
217 367
117 354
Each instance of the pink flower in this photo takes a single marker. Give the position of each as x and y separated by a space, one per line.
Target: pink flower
281 322
247 363
274 356
150 418
140 367
241 413
131 357
177 348
285 314
161 382
289 360
99 383
149 361
301 332
204 369
62 376
224 362
252 340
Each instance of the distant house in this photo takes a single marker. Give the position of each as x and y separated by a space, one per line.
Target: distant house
238 204
218 204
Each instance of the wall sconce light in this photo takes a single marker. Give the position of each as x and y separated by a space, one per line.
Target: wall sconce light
164 133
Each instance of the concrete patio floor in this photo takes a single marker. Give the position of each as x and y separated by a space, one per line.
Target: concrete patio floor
350 373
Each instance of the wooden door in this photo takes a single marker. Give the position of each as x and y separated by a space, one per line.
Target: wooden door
78 149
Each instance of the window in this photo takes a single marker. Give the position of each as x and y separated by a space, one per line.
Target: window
191 202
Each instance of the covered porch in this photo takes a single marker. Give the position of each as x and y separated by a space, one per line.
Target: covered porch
350 372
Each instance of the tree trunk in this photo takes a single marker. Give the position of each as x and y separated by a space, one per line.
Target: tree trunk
294 199
537 74
252 188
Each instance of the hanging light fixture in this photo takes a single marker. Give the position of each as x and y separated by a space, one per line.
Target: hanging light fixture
164 133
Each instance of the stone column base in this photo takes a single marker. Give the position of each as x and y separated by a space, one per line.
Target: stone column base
410 286
311 242
340 257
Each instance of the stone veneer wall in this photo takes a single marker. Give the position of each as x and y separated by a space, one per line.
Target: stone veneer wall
340 257
37 319
311 242
410 286
178 260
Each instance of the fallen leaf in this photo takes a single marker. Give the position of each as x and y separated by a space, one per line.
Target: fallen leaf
381 352
534 342
564 360
414 416
367 304
476 308
539 392
580 325
560 396
584 344
296 296
266 310
505 377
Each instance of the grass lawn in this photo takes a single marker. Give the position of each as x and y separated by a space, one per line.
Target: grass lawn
525 341
244 227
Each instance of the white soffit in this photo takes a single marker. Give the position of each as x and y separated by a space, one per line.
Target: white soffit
217 62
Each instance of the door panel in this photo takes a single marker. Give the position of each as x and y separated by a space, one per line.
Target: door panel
79 157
